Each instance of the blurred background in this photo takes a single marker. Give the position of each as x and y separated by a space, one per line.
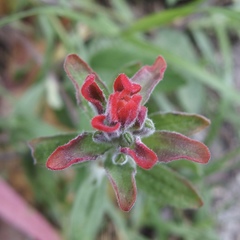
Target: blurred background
200 41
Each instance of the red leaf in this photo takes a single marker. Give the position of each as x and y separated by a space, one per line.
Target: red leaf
80 149
142 155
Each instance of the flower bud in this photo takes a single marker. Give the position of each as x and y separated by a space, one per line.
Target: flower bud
99 137
120 159
146 130
127 139
149 124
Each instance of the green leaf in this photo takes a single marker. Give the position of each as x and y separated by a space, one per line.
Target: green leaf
184 123
189 99
77 70
160 19
29 100
79 149
122 178
117 219
42 147
88 210
230 13
93 21
166 39
170 146
168 187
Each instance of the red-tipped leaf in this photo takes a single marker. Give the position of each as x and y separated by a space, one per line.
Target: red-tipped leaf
171 146
149 76
184 123
42 147
122 178
77 70
80 149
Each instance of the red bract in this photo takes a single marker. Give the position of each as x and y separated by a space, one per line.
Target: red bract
122 108
123 111
91 91
140 153
125 133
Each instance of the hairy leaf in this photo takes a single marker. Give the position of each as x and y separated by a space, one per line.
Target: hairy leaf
42 147
184 123
122 178
171 146
149 76
77 70
81 148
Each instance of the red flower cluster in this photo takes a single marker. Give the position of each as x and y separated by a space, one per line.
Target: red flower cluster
123 113
122 108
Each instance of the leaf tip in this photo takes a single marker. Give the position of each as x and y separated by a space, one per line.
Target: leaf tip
205 122
70 58
161 64
207 156
203 153
53 164
125 200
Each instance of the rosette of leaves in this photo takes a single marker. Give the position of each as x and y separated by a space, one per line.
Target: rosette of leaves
126 141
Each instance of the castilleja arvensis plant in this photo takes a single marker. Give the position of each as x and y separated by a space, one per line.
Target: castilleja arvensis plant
124 133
